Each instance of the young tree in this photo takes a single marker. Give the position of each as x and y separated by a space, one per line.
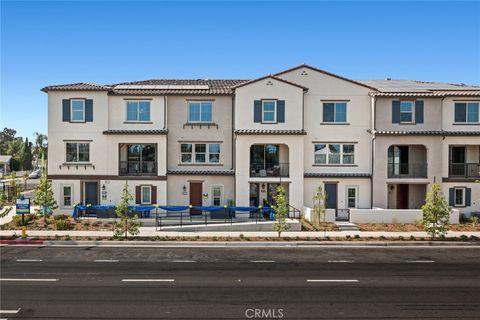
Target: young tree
281 211
436 212
319 203
44 195
127 224
26 155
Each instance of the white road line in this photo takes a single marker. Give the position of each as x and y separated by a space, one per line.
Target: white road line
105 260
262 261
34 280
10 311
331 280
29 260
339 261
183 261
420 261
148 280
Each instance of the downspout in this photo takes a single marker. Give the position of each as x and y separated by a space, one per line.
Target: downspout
234 147
165 126
373 126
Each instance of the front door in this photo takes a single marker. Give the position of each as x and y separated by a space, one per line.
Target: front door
254 195
402 196
331 195
91 193
195 196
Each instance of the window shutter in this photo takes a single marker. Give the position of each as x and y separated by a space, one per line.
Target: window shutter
451 196
138 195
395 111
154 195
257 111
328 112
88 110
66 110
419 111
468 197
281 111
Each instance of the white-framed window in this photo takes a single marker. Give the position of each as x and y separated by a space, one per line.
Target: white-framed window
146 194
335 112
200 111
352 196
138 110
200 153
467 112
67 195
216 192
406 111
459 197
269 111
77 152
334 153
77 110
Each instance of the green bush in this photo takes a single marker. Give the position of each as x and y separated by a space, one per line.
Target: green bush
63 224
17 219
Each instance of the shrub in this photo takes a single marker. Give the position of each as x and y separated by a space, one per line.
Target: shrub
401 238
357 236
17 219
62 224
463 237
412 237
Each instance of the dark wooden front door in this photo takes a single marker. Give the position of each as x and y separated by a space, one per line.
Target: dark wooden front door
331 193
402 196
195 196
91 192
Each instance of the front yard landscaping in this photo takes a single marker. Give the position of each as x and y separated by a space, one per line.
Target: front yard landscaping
37 222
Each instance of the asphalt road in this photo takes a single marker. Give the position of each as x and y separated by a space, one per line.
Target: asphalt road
240 283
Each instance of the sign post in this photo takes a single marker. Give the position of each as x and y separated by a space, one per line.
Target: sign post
22 206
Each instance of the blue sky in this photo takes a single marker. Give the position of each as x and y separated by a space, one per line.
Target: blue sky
56 42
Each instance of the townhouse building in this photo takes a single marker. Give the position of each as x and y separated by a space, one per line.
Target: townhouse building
215 142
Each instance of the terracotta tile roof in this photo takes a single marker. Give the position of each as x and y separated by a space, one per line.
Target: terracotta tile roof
273 132
336 175
80 86
428 133
202 172
436 93
408 86
272 77
161 131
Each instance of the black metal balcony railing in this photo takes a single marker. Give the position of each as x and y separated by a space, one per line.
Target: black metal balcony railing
261 170
138 168
464 170
407 170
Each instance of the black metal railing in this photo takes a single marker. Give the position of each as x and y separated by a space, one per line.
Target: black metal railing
464 170
269 169
138 168
294 213
407 170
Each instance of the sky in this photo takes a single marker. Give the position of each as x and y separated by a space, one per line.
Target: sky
58 42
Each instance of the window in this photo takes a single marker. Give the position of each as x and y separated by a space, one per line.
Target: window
216 191
146 195
335 112
334 153
67 196
200 153
138 110
269 111
406 111
138 159
77 108
200 111
467 112
352 193
77 152
459 197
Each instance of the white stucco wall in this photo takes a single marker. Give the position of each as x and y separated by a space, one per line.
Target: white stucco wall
176 196
117 115
362 184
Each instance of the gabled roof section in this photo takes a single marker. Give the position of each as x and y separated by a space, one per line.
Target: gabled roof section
269 76
326 73
79 86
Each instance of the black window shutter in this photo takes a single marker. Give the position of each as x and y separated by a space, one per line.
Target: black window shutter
138 194
88 110
328 112
395 111
468 197
419 111
66 110
257 111
451 196
460 112
281 111
154 194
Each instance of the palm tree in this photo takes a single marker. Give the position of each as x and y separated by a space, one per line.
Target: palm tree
40 146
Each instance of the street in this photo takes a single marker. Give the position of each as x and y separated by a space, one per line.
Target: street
240 283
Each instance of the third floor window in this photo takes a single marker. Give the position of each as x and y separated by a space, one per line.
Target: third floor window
466 112
138 111
200 111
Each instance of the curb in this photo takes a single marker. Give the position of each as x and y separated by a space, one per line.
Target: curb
24 241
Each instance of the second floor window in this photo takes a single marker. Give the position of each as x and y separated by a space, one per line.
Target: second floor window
138 111
269 111
335 112
200 111
77 110
406 111
200 153
77 152
466 112
334 153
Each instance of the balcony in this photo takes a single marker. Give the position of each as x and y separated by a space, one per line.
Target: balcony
464 170
265 170
407 170
138 168
137 160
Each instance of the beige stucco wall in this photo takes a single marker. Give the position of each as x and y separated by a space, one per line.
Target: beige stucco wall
472 145
475 207
268 89
362 184
117 115
176 196
177 110
449 114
